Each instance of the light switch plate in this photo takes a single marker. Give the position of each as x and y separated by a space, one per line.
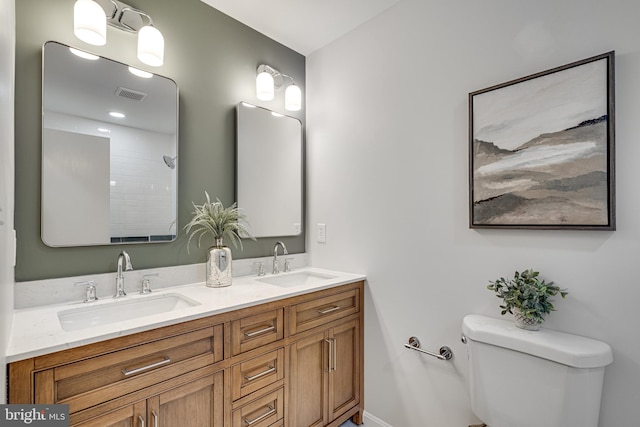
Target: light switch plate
322 233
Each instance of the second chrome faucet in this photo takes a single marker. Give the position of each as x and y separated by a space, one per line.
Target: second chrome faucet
123 264
276 265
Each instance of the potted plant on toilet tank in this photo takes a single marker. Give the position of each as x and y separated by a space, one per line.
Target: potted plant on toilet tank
220 222
527 297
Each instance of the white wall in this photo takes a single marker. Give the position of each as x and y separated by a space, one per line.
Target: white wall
7 48
387 172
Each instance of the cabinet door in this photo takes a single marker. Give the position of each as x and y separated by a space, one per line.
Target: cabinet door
197 404
129 416
344 372
308 361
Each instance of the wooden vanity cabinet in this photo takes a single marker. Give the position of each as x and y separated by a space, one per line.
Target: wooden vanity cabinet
294 362
325 364
195 404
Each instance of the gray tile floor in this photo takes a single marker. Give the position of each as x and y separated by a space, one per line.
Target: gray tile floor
350 424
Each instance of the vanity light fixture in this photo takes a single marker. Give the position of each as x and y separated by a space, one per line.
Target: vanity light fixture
293 98
116 114
269 79
90 22
90 19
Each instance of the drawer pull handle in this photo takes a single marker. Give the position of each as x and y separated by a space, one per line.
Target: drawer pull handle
155 418
272 411
329 310
261 374
260 331
126 372
141 420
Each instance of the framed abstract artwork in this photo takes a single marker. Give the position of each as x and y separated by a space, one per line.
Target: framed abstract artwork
541 150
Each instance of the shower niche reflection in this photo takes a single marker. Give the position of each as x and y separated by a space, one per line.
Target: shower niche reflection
109 152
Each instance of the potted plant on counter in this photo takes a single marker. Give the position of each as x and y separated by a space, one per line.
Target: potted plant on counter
527 297
220 222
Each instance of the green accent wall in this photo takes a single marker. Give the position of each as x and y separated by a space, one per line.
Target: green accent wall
213 58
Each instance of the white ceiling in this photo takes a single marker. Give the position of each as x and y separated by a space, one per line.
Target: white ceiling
302 25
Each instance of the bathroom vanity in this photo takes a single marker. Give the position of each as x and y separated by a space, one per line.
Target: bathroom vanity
254 354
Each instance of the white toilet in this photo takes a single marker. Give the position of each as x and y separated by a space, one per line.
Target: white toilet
542 378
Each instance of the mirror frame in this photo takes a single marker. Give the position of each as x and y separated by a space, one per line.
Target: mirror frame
266 190
137 238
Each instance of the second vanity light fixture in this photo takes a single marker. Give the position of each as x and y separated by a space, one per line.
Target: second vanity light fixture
90 19
269 79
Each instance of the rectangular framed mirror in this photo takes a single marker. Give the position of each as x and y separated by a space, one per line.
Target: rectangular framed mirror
269 170
109 151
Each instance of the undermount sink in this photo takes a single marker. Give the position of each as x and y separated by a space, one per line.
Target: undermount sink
121 310
287 280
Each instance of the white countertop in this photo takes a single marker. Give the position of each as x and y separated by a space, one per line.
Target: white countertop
37 331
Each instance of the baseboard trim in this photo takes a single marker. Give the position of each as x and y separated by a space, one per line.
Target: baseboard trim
372 421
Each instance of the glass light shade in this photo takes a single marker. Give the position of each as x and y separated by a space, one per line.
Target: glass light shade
293 98
264 86
150 46
90 22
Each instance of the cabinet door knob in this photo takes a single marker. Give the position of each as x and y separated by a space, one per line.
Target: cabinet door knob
142 423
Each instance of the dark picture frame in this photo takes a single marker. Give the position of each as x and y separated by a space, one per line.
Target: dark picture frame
541 150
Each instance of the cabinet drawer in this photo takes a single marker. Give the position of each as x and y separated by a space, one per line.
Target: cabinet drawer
253 374
256 330
310 314
262 412
98 379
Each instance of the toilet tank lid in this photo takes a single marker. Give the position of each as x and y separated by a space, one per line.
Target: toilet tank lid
560 347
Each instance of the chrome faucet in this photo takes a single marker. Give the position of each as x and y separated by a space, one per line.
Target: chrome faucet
276 266
123 257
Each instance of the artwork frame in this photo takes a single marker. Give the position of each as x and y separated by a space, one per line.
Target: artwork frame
542 150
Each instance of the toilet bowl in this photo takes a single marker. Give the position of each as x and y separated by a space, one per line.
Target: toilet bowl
520 378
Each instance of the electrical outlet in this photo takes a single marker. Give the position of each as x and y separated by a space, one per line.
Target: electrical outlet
322 233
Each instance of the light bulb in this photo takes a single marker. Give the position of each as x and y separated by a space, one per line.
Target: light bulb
90 22
264 86
150 46
293 98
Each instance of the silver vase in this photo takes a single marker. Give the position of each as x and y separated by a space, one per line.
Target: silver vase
219 265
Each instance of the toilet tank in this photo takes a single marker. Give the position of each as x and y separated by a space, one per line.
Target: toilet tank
520 378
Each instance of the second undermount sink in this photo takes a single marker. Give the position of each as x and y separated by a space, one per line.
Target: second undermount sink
90 315
297 278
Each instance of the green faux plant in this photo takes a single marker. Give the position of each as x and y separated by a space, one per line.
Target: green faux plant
527 293
213 218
